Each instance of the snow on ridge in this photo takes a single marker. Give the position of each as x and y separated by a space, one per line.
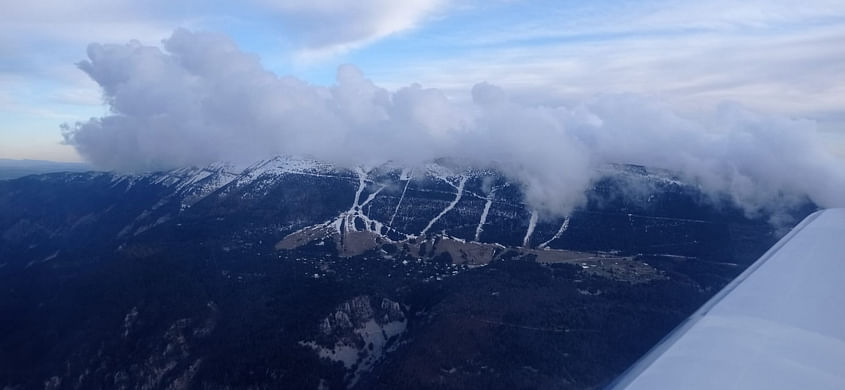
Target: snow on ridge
286 164
560 231
443 173
532 223
186 178
657 175
406 176
488 202
458 195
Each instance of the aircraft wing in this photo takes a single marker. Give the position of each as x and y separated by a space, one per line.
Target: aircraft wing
779 325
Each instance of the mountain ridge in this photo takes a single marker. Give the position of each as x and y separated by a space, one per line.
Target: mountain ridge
221 277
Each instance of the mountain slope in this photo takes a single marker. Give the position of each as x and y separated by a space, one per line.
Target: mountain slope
297 273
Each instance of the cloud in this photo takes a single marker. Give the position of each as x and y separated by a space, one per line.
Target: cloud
774 56
327 26
316 26
37 37
201 99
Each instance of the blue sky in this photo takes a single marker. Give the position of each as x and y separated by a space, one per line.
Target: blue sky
781 57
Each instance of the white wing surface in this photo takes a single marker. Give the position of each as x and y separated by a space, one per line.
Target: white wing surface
779 325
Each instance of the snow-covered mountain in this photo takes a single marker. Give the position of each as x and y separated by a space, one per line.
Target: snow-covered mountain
297 273
383 203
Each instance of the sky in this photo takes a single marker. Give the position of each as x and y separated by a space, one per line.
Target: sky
747 99
784 57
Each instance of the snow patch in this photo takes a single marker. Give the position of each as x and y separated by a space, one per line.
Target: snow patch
460 193
563 227
405 176
532 223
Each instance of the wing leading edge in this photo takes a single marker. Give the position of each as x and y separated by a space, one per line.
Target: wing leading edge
779 325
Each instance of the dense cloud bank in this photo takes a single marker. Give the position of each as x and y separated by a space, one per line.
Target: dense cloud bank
201 100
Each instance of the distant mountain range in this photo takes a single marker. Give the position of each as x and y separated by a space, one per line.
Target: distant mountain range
294 273
11 169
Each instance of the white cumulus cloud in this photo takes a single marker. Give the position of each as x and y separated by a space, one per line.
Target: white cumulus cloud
201 99
329 26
